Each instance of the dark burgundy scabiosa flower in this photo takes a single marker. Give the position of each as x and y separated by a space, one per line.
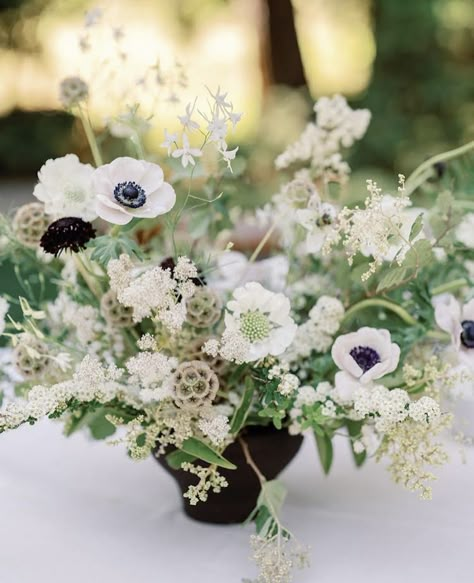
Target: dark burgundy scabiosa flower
67 233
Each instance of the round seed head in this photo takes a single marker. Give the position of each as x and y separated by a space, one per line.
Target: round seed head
195 386
29 224
204 308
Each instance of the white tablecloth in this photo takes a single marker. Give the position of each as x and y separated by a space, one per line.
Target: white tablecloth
78 511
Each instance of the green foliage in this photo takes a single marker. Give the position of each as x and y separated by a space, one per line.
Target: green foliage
268 508
197 448
325 449
106 247
242 411
177 458
354 429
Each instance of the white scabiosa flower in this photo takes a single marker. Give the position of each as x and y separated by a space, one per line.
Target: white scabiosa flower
458 321
65 188
262 318
367 354
128 188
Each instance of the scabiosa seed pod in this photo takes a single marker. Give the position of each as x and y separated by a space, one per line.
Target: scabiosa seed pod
204 308
195 385
30 357
114 312
29 224
67 233
73 91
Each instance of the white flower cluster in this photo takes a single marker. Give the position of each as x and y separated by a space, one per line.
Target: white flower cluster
153 373
216 123
91 381
316 334
87 329
371 230
389 407
289 382
336 126
154 292
216 429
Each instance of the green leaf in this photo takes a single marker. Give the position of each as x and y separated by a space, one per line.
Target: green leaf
419 255
106 248
325 451
354 428
197 448
176 458
392 278
243 409
416 227
100 427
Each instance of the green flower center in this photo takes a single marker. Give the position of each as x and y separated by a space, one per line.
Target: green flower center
72 194
255 326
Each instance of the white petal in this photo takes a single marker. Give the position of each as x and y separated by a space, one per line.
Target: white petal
110 214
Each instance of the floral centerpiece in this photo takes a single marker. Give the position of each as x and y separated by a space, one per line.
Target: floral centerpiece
157 333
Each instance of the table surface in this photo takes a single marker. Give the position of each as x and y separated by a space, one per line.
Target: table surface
78 511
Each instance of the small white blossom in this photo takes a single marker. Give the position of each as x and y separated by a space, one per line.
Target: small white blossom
186 153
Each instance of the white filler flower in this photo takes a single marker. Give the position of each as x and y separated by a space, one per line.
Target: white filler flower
128 188
65 188
367 354
262 318
458 320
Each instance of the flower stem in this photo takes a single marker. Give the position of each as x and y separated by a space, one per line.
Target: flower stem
378 302
92 283
262 243
449 286
443 157
86 124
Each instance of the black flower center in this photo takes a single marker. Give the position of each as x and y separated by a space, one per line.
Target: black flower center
67 233
365 357
130 194
467 334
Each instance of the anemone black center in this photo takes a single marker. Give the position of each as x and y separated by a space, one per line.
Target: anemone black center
130 194
467 334
365 357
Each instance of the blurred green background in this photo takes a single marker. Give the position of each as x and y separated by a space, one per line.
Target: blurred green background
411 63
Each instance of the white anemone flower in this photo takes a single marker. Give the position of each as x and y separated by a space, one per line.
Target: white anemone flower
65 188
367 354
127 188
262 318
458 321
